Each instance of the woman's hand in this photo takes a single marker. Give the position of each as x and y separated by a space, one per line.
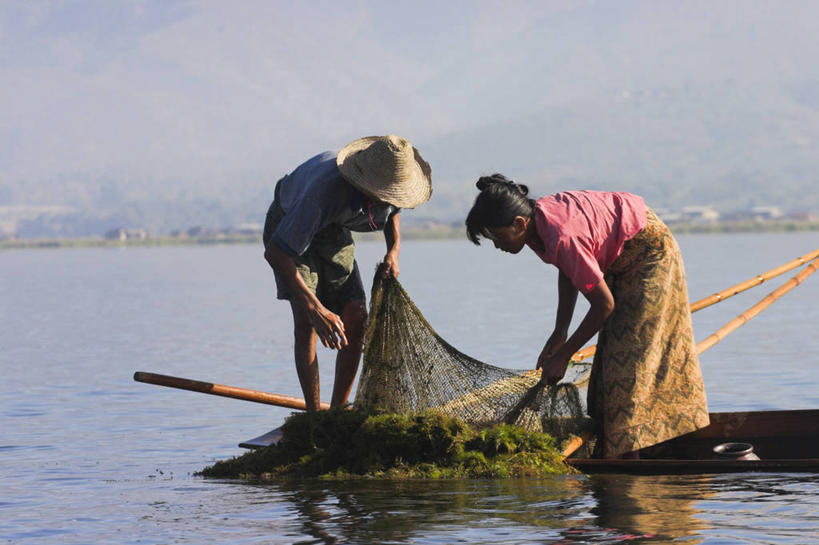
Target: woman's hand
553 369
553 365
556 340
555 357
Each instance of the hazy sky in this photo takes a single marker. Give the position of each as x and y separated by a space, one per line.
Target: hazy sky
189 88
219 90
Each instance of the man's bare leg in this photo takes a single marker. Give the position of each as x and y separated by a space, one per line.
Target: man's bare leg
354 316
304 349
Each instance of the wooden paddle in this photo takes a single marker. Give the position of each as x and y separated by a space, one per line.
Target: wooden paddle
279 400
577 442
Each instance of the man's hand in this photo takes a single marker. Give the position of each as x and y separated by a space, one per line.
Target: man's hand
328 326
390 265
393 238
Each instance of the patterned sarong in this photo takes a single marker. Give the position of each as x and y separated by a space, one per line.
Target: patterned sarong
646 385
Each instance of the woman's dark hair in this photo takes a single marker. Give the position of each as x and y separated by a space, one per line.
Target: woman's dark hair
497 205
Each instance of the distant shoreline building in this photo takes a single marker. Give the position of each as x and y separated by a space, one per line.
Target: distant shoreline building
689 214
121 233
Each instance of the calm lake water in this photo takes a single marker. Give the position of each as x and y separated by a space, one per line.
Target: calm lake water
89 456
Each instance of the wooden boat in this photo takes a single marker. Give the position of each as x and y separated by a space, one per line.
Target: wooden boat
264 440
785 441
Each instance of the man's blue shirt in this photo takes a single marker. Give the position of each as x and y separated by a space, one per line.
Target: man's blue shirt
314 196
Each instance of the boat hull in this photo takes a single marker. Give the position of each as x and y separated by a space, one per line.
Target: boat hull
785 441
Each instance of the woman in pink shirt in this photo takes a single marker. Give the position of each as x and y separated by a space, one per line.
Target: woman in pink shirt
646 385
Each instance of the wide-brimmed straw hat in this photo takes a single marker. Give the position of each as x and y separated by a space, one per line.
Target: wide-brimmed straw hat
387 168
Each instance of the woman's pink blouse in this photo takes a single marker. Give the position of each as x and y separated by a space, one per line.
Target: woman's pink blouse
583 232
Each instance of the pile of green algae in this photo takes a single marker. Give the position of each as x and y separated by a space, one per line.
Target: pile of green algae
342 444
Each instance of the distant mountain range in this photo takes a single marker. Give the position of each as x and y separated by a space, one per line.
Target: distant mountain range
692 103
675 147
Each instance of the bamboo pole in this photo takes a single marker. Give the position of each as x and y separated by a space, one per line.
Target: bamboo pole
725 294
234 392
757 308
755 281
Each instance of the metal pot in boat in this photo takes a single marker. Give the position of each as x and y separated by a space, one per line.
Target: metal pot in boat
735 451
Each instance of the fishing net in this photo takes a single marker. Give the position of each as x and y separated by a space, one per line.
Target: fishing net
408 367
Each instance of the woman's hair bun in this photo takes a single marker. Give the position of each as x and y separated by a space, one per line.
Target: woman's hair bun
485 182
522 189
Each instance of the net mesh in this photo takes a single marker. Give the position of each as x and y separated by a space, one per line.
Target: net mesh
408 367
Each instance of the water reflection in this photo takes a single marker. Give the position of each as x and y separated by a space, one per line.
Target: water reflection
752 508
575 509
428 511
661 506
313 515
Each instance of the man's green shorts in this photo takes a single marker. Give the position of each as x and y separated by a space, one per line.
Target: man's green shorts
328 267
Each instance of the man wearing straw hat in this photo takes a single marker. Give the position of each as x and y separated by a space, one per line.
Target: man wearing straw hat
308 244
